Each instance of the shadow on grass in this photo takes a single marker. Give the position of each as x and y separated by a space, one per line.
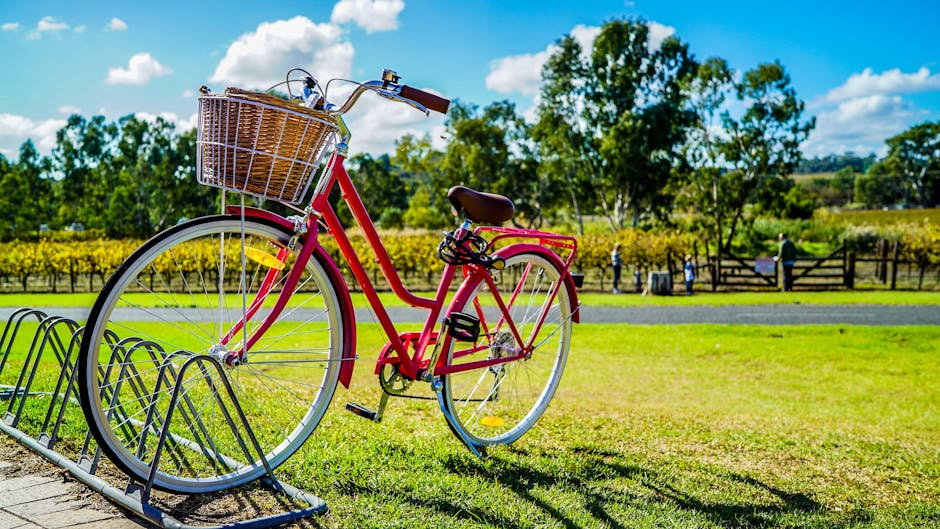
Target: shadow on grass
613 491
587 486
742 514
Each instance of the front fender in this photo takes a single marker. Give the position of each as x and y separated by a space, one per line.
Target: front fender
347 311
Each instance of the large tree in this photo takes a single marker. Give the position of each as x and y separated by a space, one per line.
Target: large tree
765 142
26 196
561 135
82 159
418 164
381 187
914 155
489 150
627 115
709 184
736 157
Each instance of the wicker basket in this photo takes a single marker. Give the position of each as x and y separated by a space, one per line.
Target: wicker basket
259 144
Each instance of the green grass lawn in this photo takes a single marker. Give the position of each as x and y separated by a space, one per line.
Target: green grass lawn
697 426
687 426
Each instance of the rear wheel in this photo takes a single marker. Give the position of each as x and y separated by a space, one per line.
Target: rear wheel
170 317
500 402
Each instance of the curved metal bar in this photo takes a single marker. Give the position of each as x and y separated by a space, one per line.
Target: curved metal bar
82 469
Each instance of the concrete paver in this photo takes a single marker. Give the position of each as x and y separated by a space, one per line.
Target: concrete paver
44 502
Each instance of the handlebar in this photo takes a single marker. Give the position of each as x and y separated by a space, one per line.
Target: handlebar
389 88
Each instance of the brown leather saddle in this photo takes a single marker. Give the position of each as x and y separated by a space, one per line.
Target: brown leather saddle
488 208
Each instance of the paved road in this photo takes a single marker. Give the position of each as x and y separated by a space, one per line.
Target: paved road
770 314
745 314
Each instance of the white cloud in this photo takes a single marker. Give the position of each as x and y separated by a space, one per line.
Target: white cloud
584 36
523 73
51 24
864 111
80 29
68 110
47 25
889 82
141 68
518 73
10 26
861 125
15 130
371 15
376 123
659 33
261 58
189 93
117 24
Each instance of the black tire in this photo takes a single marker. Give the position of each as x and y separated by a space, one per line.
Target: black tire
498 404
160 317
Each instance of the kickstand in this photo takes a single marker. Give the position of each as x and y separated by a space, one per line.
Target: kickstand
438 386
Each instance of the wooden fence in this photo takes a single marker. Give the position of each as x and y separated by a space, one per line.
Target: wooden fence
840 269
836 270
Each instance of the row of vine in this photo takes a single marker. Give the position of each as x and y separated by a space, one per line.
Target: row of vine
78 265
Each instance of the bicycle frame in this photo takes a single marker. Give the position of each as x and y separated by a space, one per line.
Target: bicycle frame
396 351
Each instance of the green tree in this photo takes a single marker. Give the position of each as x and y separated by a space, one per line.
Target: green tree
489 150
564 149
26 193
710 187
843 182
418 164
378 183
630 118
151 179
764 144
735 161
878 187
915 155
82 159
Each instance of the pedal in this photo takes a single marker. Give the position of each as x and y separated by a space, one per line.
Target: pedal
463 327
362 411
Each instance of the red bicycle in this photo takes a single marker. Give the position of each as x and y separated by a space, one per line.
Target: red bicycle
213 352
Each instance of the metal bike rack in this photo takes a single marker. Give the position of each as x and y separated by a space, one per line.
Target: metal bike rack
24 405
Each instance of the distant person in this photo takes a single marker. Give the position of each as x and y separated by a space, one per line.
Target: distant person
689 272
786 255
617 265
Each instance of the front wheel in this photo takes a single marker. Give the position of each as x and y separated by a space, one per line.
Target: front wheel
499 402
171 319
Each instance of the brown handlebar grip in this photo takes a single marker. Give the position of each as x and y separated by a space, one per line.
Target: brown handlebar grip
429 101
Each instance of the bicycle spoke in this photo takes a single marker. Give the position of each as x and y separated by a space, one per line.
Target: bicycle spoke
160 301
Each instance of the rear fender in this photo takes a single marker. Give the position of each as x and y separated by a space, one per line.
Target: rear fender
515 249
518 248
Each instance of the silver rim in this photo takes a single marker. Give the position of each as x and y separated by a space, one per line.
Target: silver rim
498 404
164 308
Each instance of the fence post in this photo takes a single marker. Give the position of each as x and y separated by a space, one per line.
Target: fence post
882 265
850 271
894 266
716 270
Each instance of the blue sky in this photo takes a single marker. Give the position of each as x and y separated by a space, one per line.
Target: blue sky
866 70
